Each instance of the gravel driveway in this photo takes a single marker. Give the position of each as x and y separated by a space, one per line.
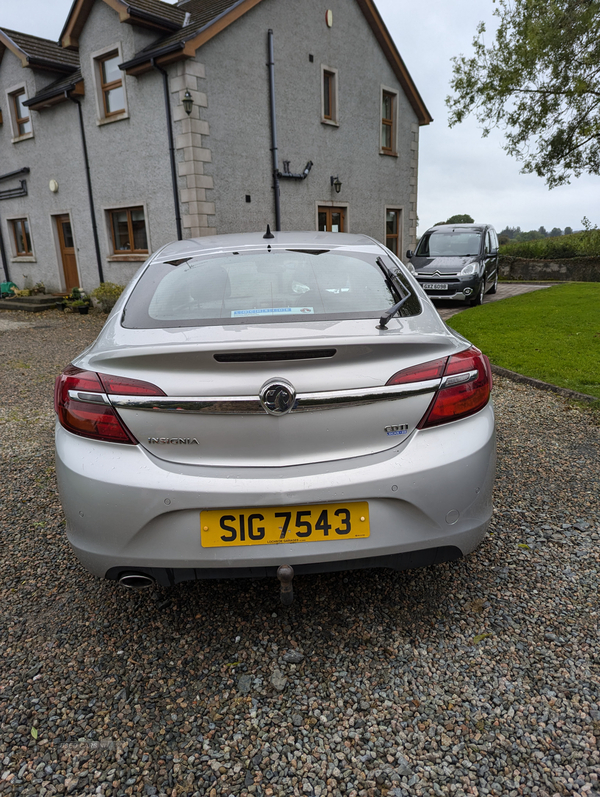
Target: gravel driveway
476 677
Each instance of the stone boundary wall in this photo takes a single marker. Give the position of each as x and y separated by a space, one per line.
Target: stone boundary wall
573 269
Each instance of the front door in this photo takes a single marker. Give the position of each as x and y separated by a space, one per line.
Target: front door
331 219
67 252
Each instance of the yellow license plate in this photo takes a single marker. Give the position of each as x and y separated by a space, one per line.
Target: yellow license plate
278 524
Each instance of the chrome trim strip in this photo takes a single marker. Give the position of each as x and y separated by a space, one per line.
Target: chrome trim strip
459 379
89 398
250 405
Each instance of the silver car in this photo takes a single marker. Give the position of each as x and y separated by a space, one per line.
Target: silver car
273 404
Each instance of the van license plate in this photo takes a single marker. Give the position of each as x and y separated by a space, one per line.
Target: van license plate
434 286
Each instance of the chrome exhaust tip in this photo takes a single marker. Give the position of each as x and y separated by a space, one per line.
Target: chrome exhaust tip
136 581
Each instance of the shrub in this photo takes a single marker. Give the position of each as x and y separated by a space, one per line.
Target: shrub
106 294
579 244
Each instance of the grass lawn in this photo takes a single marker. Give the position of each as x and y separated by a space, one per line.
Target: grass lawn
552 334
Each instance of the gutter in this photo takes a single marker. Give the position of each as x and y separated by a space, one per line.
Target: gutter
38 99
152 55
24 170
55 66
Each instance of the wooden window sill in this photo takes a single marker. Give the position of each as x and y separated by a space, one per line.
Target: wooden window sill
106 120
24 137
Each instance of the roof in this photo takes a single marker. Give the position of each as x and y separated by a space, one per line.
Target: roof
36 52
55 92
153 14
209 17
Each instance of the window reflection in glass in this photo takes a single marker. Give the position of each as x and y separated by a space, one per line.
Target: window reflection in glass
67 235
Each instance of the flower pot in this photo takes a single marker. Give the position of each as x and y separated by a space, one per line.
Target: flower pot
61 305
83 310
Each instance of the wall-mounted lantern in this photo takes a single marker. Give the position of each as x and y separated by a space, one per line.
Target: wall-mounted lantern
188 102
337 184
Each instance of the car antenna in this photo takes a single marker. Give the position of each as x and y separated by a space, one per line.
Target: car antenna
268 233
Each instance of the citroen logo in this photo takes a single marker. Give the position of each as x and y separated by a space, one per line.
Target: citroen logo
277 396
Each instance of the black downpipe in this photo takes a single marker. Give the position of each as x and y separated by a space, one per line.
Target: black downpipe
89 187
271 66
4 260
165 75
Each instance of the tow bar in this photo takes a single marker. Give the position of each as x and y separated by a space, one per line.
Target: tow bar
285 574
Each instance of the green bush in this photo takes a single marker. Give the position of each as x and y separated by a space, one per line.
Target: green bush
579 244
107 294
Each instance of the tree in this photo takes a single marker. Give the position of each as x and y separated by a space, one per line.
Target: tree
568 231
463 218
540 83
555 232
542 232
510 232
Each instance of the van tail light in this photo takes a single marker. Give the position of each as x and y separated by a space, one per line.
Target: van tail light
83 407
465 388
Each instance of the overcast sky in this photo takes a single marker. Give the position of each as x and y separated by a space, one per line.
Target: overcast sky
459 171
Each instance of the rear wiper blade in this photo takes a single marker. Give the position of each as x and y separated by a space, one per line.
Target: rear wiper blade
391 279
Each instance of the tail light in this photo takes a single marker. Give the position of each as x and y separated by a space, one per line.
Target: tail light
83 407
465 388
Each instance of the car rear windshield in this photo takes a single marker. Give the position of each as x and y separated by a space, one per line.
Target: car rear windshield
449 244
262 287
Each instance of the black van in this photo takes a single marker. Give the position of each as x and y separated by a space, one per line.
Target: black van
457 261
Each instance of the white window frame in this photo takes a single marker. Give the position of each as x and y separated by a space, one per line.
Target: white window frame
15 258
10 105
335 119
96 58
394 92
137 257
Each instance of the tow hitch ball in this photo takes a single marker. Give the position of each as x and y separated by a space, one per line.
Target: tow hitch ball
285 574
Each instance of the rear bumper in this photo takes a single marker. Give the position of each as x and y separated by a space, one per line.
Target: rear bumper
128 511
168 577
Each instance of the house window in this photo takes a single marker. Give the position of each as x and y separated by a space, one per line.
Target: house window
392 231
331 219
388 123
21 237
22 122
111 85
128 228
329 113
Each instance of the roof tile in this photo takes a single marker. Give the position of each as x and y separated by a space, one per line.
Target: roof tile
45 49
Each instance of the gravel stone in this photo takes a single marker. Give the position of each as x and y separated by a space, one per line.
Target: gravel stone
170 693
293 657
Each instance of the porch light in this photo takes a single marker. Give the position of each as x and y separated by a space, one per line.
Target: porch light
336 183
188 102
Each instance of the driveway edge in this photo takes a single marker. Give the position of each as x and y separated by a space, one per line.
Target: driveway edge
529 380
